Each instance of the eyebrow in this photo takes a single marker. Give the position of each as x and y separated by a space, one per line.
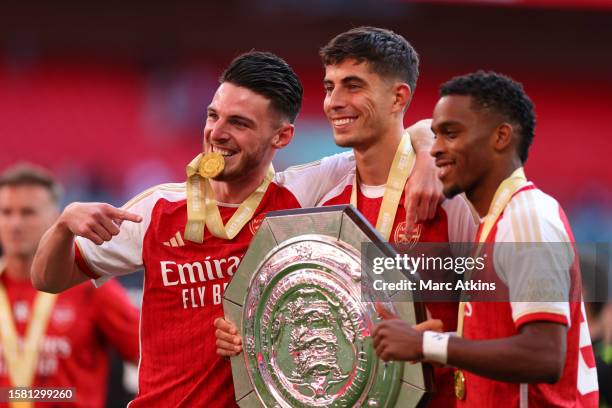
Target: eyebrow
249 121
446 124
346 80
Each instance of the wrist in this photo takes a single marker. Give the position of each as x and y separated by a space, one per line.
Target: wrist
423 155
63 228
435 346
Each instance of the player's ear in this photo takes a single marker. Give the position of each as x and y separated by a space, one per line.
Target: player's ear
401 97
283 135
503 137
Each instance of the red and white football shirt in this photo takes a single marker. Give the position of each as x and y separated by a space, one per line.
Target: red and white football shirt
533 216
184 283
74 349
454 222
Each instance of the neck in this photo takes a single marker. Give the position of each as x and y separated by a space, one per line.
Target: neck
374 161
18 268
236 191
482 196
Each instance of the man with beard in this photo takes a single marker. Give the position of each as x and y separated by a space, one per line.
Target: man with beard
190 237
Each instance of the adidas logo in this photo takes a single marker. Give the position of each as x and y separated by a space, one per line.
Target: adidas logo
175 241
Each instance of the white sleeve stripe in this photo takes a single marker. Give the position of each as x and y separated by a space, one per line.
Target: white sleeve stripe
525 223
516 226
521 310
587 377
534 217
585 336
524 395
537 311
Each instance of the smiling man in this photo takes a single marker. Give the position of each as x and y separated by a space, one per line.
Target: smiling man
370 79
535 352
187 267
190 237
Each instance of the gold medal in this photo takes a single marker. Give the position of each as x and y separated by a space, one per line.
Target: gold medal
459 385
211 165
202 209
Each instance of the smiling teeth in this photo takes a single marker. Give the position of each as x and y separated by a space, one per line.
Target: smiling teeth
223 152
344 121
444 169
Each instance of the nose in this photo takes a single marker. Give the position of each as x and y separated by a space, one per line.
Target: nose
335 99
13 221
216 132
437 148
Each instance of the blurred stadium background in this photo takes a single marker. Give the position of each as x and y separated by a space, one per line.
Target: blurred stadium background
111 95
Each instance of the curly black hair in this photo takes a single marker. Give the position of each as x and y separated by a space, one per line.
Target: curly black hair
270 76
502 95
388 53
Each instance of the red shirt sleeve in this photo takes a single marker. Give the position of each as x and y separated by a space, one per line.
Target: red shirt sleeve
118 319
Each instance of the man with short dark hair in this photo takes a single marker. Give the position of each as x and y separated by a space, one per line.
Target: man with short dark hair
191 237
370 77
527 351
49 340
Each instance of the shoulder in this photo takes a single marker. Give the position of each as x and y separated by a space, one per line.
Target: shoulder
169 191
279 197
533 216
460 207
310 182
337 162
341 191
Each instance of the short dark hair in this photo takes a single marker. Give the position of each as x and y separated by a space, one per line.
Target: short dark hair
25 174
270 76
388 53
499 94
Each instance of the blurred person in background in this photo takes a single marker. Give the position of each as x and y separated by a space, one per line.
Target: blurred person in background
53 340
599 317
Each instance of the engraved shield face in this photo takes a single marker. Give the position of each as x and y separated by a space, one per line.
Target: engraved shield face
305 327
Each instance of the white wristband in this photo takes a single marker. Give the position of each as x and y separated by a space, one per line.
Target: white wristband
435 346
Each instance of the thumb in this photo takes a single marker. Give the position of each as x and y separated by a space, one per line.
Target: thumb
430 324
384 312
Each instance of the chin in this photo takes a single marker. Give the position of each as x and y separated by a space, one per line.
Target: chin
451 190
345 141
225 177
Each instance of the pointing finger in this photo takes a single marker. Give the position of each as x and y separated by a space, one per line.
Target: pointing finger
120 214
431 324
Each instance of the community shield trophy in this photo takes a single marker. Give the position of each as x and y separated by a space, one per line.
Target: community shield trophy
306 319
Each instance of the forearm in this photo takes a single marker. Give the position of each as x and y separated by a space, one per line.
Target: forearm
422 138
53 268
513 359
